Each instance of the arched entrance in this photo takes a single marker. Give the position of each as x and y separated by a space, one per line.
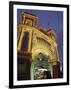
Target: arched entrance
41 67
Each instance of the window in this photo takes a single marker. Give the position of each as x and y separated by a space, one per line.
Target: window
25 40
28 22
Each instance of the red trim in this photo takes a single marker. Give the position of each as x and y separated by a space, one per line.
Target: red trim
55 71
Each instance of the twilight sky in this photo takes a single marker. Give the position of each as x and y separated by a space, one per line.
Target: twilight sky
54 19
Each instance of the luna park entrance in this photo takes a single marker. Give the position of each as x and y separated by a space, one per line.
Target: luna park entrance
41 68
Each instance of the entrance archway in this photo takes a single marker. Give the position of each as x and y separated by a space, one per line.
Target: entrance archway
41 67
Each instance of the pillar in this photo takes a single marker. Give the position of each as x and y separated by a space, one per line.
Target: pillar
32 70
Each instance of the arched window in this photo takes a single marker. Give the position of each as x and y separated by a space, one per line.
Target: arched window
25 41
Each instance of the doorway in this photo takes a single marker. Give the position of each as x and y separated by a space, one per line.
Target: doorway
41 68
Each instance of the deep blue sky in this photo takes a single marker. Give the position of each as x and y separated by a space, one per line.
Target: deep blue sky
55 20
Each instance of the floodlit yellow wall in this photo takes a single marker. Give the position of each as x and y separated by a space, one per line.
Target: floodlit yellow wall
36 47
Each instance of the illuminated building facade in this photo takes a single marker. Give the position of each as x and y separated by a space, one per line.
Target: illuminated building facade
37 52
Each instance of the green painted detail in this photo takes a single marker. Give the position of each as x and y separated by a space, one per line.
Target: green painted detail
51 69
32 71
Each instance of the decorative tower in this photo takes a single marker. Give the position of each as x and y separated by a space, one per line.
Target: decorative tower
24 45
